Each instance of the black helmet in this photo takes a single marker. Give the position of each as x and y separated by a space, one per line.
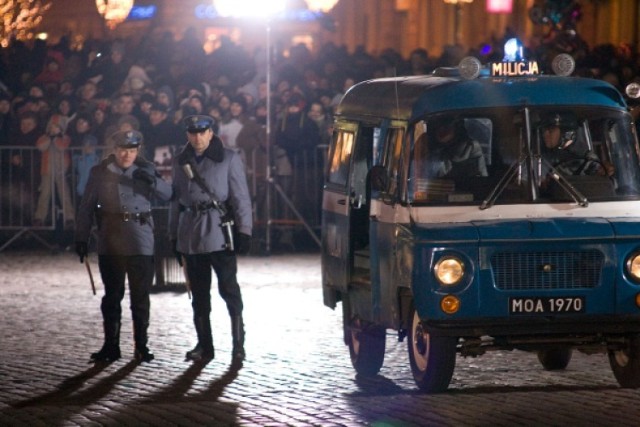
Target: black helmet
127 138
198 123
568 124
564 121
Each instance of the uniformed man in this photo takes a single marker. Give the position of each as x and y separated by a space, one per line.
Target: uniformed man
210 192
559 134
118 196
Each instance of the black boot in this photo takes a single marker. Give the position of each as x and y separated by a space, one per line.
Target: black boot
237 332
110 350
142 353
204 349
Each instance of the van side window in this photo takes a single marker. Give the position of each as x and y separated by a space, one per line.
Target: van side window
340 158
391 159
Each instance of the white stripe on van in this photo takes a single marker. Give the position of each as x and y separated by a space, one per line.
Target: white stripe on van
386 213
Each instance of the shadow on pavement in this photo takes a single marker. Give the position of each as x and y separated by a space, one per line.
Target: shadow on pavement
552 388
177 391
67 399
65 389
377 385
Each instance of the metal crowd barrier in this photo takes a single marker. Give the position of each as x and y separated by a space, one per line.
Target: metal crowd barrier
290 199
295 196
21 182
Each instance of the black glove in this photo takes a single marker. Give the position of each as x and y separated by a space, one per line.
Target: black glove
243 243
82 250
176 252
143 175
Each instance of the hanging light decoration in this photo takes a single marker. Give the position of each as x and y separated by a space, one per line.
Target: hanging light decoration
114 11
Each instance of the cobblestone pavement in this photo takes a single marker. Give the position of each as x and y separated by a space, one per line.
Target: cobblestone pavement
297 370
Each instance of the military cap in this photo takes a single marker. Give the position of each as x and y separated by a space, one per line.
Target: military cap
127 139
198 123
563 120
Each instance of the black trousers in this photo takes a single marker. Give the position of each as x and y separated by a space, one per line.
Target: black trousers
225 266
139 269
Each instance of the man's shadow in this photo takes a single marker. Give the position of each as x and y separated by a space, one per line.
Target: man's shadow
176 391
66 393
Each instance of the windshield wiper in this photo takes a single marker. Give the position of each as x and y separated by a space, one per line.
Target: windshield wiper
564 183
502 184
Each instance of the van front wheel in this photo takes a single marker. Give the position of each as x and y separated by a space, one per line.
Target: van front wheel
432 358
366 347
625 364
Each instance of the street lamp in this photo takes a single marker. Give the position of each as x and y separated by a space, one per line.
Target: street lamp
457 30
114 11
268 10
321 5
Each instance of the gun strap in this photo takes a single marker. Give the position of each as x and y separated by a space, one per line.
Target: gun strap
197 178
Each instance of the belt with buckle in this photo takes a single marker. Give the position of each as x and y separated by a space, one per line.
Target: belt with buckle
141 217
198 207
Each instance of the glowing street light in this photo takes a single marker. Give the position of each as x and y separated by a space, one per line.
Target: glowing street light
321 5
268 10
248 8
262 8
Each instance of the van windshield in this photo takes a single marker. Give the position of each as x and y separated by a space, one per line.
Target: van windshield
525 155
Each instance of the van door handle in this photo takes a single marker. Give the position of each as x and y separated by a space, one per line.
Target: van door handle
342 201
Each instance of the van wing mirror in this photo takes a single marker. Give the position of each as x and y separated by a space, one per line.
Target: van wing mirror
379 178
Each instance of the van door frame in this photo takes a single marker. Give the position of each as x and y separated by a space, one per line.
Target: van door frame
385 211
336 215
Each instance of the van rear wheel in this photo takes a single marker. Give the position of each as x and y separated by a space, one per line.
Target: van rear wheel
432 358
366 347
625 364
555 359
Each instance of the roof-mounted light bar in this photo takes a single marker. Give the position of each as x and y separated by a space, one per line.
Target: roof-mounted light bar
514 64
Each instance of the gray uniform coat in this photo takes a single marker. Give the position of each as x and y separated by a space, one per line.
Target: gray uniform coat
199 232
109 193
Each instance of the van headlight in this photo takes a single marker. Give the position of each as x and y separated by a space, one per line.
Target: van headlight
450 270
633 266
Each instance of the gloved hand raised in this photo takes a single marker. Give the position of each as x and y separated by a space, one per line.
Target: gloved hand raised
243 243
82 249
143 175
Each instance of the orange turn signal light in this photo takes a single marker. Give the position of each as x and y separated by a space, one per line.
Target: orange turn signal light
451 304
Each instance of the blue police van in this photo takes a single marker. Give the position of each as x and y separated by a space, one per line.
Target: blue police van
485 207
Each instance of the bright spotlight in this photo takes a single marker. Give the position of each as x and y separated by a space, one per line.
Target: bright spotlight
248 8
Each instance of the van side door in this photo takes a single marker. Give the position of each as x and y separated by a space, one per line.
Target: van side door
344 206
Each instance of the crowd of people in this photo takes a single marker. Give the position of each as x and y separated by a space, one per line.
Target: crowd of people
69 102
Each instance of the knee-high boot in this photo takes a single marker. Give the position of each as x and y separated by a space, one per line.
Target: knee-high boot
110 350
142 352
237 332
204 349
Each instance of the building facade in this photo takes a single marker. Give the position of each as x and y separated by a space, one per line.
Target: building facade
375 25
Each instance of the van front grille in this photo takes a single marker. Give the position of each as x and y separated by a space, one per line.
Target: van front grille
547 270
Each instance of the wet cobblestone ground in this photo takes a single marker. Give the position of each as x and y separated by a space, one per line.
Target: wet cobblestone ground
297 370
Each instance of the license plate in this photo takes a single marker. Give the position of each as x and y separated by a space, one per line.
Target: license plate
546 305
